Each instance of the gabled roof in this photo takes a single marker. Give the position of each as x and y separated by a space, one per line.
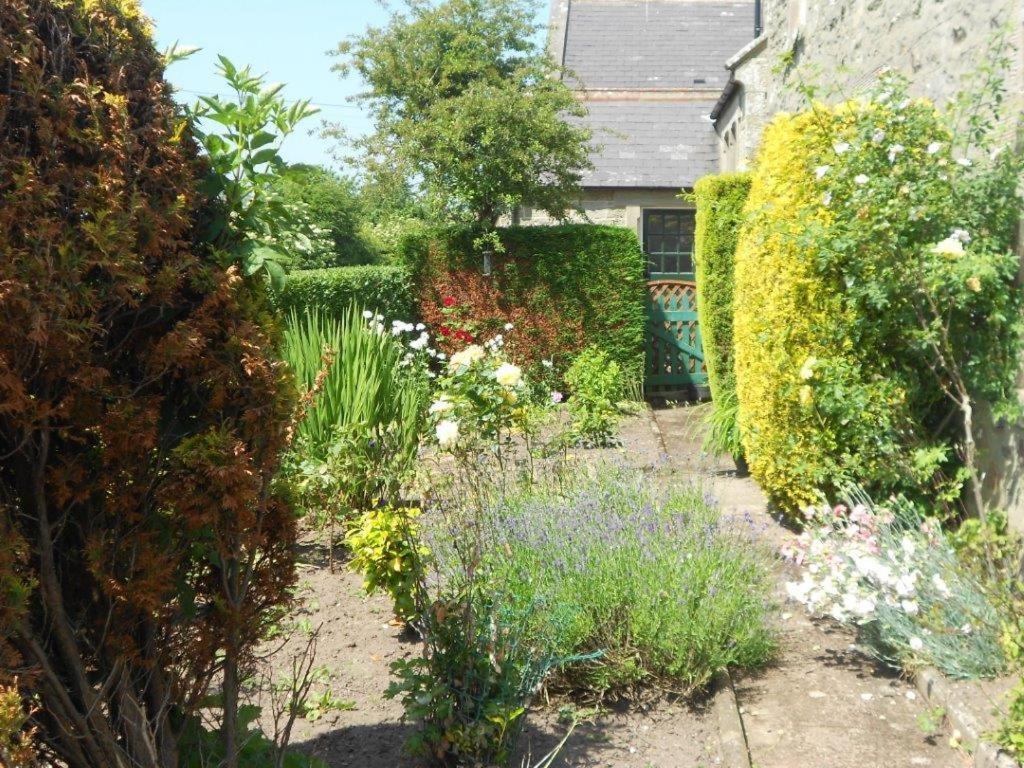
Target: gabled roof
650 72
651 144
654 44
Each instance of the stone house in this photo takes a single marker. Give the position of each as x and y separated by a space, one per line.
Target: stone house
650 72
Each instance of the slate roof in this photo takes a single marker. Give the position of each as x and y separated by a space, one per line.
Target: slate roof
640 48
651 144
654 44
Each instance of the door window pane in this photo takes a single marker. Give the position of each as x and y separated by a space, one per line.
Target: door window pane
668 240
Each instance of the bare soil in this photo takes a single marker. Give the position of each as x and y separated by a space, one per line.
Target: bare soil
820 705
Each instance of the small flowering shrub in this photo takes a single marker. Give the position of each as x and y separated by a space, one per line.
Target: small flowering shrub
641 588
385 548
596 385
884 238
480 403
896 577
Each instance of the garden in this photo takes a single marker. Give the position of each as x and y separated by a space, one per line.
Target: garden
302 471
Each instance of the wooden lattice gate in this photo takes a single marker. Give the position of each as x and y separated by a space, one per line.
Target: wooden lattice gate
675 355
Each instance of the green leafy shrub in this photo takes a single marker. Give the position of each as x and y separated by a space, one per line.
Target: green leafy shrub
383 289
1010 735
252 225
385 549
720 201
559 288
875 299
332 205
596 386
994 554
479 671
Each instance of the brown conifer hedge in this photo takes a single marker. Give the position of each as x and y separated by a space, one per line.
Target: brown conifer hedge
143 543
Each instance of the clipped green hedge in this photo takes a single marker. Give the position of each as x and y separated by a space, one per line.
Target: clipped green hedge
562 288
720 200
382 288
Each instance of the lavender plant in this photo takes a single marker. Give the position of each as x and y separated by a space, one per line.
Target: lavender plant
653 589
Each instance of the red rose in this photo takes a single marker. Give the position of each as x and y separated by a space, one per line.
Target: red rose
448 301
444 330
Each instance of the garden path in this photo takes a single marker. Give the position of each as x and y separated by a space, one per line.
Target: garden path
821 704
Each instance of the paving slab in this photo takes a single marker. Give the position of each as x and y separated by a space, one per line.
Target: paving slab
822 703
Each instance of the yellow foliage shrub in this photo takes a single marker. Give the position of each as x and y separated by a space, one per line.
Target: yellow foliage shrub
792 328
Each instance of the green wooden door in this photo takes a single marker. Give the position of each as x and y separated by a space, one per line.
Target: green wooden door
674 353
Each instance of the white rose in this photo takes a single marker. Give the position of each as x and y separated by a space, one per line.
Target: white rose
441 405
447 432
951 246
508 375
467 356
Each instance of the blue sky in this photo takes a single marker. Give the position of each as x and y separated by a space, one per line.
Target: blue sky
286 39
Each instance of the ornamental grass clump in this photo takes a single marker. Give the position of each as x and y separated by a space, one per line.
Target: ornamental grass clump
655 590
896 577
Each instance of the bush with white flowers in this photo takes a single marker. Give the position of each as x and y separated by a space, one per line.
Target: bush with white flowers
481 400
894 576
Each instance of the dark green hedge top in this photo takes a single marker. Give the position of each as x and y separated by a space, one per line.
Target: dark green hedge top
385 289
564 287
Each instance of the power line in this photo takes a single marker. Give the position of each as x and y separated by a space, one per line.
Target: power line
313 102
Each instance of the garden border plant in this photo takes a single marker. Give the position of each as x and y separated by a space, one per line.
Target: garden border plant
720 201
887 253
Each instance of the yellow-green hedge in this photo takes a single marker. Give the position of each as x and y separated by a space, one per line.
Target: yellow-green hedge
720 202
792 326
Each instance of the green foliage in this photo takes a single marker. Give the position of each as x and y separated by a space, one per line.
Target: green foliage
994 554
596 386
333 208
720 201
875 299
252 224
202 747
386 290
1010 735
443 80
361 427
640 587
561 288
471 688
385 549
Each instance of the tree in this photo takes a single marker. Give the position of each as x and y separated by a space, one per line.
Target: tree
469 107
334 207
144 543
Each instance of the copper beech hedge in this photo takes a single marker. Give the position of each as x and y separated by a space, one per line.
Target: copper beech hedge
143 544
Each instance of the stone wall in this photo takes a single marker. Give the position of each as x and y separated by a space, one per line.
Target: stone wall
840 46
615 207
